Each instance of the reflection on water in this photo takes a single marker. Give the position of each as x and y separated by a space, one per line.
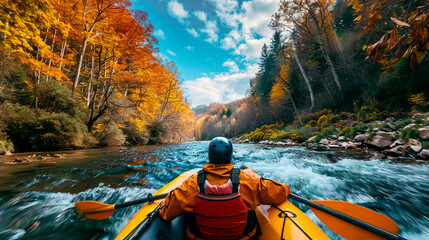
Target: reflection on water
36 199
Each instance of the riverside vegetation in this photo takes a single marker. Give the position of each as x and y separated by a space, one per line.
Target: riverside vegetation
395 136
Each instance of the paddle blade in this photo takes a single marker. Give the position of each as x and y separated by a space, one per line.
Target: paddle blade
95 210
348 230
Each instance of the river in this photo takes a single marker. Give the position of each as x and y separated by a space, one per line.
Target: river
37 199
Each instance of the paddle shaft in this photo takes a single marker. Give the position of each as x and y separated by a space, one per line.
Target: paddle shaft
142 200
354 221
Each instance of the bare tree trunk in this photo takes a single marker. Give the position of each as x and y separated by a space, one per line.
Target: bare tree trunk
52 50
79 65
334 72
91 77
63 51
293 104
307 81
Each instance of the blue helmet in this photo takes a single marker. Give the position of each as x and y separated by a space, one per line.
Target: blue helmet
220 150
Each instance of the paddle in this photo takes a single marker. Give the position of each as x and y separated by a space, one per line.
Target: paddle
97 210
352 221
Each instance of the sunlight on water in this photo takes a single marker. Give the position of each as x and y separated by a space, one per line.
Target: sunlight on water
36 202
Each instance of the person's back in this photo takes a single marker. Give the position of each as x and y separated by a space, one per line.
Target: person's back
215 183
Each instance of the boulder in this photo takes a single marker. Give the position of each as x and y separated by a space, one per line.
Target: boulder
418 116
246 141
378 156
311 146
424 154
312 139
379 141
390 119
322 148
397 143
335 136
334 146
324 141
341 138
413 146
390 136
411 125
280 143
361 138
424 133
394 152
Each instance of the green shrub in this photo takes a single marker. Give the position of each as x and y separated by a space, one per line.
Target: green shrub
425 144
323 121
406 134
110 135
31 130
403 123
6 145
345 131
326 133
313 123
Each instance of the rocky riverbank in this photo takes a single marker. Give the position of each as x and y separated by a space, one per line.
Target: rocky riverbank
395 139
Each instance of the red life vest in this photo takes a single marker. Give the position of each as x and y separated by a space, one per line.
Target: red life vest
220 211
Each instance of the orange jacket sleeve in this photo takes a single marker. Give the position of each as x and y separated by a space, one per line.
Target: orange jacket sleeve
180 200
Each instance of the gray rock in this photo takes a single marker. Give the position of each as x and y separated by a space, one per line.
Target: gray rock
378 156
424 133
396 143
334 146
413 146
322 148
341 138
280 143
361 137
395 152
391 126
418 116
324 141
246 141
425 152
380 141
335 136
311 146
390 136
387 129
411 125
375 129
390 119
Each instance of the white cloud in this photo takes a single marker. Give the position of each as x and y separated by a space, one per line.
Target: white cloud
251 48
222 87
189 48
201 15
175 9
159 34
171 52
231 65
192 32
211 31
248 23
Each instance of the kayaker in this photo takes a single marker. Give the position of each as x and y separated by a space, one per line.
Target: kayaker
220 201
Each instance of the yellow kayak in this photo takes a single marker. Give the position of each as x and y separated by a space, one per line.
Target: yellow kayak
284 221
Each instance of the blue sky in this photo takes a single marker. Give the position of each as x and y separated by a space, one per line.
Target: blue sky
214 43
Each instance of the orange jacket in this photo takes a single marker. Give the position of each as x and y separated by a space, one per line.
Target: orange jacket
254 190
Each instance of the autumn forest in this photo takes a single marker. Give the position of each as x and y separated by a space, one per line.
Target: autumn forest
88 73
